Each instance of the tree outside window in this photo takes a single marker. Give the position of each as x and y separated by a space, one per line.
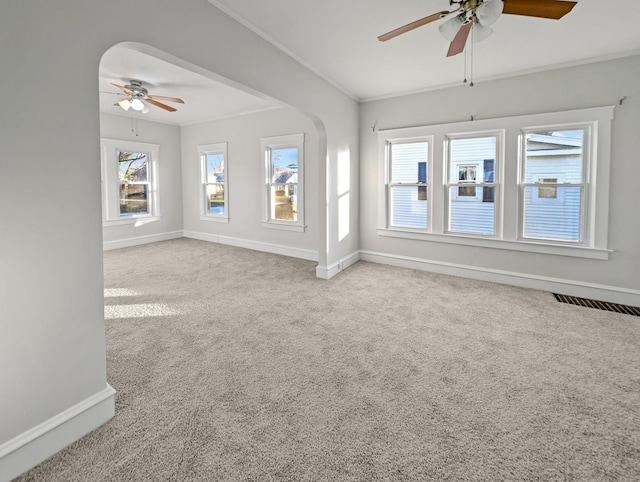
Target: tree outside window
133 179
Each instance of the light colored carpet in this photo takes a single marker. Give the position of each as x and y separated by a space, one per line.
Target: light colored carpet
232 364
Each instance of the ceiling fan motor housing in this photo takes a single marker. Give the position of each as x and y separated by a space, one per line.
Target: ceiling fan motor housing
474 10
135 86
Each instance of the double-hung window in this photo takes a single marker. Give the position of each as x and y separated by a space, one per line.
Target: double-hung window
408 188
536 182
553 183
471 186
214 175
283 182
129 181
134 182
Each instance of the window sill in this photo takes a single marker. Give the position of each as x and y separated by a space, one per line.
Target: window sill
215 219
137 220
527 246
298 228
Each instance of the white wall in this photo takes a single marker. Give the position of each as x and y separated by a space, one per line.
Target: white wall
179 166
52 348
243 170
169 172
577 87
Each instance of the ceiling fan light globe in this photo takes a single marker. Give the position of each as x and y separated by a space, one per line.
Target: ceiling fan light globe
450 28
137 104
481 32
489 11
125 104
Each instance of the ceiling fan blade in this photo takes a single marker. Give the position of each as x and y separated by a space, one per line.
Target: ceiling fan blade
166 99
553 9
161 105
122 87
460 40
413 25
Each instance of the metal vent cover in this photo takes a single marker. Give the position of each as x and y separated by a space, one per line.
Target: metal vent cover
598 305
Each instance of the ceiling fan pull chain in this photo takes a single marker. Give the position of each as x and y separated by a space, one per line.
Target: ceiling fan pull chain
471 65
465 67
134 124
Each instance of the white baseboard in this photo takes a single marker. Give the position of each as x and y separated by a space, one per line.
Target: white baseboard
291 251
328 272
151 238
596 291
581 289
42 441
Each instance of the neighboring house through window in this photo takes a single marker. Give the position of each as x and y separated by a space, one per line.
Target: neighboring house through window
283 167
505 184
553 184
408 187
472 187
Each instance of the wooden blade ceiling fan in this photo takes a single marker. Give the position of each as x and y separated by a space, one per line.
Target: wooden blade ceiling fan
136 97
479 15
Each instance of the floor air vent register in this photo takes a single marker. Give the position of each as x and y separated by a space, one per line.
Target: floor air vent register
599 305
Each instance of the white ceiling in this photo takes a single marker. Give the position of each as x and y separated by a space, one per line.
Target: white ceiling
337 39
204 99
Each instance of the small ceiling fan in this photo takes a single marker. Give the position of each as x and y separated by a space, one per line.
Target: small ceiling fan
137 97
479 15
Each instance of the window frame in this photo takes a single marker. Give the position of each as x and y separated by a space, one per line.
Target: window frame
267 146
498 160
146 182
588 129
507 175
203 151
110 182
389 184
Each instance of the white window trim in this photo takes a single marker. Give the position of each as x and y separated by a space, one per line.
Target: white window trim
110 193
509 218
267 144
217 148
